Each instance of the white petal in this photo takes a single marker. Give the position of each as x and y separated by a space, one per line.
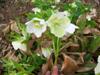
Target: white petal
18 45
98 59
71 28
23 47
37 19
97 69
44 28
46 52
29 22
37 33
42 22
29 27
66 13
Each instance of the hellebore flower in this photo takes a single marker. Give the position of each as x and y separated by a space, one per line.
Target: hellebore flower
97 68
36 26
60 24
19 45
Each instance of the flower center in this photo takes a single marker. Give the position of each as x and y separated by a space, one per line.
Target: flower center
57 22
37 24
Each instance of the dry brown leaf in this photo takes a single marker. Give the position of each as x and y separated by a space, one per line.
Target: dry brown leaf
47 66
46 43
11 55
97 1
81 18
6 29
91 31
30 43
69 66
2 26
81 58
95 31
44 69
13 26
98 20
84 69
87 30
1 69
71 45
66 45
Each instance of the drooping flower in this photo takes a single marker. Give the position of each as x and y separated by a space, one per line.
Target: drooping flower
19 45
60 24
20 39
36 26
97 68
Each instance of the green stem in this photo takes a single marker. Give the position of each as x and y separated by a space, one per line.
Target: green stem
56 47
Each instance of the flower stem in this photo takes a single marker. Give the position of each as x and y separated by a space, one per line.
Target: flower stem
56 47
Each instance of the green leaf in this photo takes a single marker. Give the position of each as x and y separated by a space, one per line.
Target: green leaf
81 22
91 23
88 57
94 44
98 74
43 4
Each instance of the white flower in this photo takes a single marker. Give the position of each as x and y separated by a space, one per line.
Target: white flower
46 52
19 45
36 26
97 68
36 10
60 24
